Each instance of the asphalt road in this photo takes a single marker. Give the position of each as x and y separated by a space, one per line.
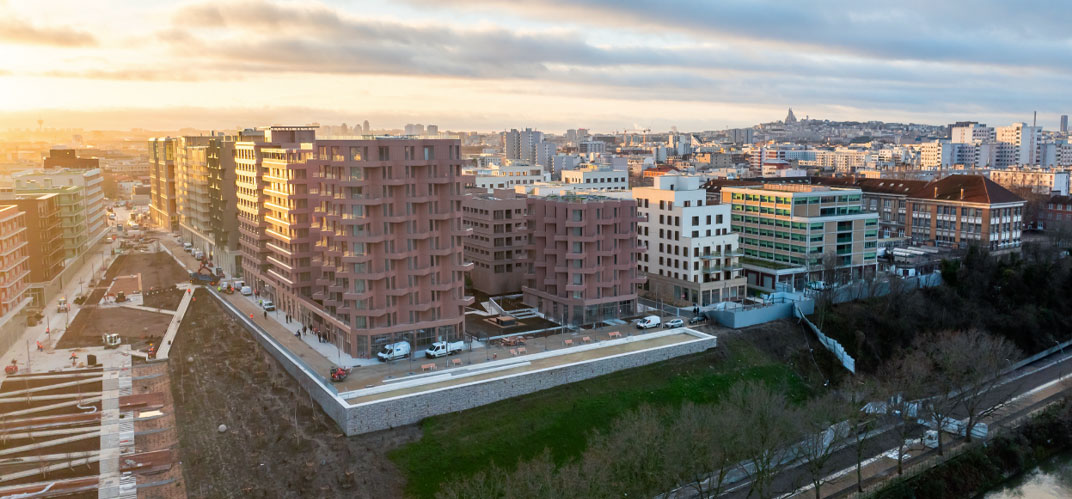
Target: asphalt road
1024 380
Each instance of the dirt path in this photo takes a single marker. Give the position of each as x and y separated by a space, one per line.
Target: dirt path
278 442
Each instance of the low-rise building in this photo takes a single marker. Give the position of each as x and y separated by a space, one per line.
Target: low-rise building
503 177
594 178
582 257
962 209
68 158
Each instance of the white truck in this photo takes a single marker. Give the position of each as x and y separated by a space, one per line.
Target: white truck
648 322
394 351
442 348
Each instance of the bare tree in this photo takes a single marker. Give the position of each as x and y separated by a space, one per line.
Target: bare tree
630 457
976 362
770 430
825 429
703 445
860 422
940 386
903 383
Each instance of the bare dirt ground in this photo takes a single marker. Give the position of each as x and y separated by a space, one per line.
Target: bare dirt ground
167 298
136 327
278 442
789 342
159 433
158 270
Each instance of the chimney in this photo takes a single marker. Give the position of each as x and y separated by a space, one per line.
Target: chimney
962 194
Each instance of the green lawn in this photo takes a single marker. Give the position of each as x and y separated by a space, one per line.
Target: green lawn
460 444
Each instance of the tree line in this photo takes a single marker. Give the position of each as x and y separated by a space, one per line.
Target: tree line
753 433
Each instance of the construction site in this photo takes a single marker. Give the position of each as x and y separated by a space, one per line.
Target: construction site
149 385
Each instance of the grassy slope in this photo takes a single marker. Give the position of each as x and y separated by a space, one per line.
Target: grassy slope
460 444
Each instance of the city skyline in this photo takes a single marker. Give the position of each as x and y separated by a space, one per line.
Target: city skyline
558 65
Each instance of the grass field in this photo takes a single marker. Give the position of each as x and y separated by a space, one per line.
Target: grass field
460 444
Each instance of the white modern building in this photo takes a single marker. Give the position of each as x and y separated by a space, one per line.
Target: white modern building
692 258
504 176
88 206
597 179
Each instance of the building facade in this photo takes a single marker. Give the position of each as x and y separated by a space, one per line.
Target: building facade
594 178
68 158
361 239
206 203
582 258
1041 181
163 202
503 177
497 244
793 232
44 233
959 210
14 260
81 200
691 256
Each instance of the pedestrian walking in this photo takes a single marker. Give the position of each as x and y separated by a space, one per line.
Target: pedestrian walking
298 333
265 314
39 347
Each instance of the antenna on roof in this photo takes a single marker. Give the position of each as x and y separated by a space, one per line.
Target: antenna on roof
1034 121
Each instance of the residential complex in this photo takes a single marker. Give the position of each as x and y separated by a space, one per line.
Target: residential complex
691 256
81 202
582 257
359 238
163 204
497 244
14 260
1043 181
791 231
44 232
206 204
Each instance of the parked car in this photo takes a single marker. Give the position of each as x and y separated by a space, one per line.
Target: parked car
674 323
697 319
268 305
441 348
394 351
648 322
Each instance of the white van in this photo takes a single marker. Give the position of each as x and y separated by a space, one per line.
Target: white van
394 351
648 322
246 290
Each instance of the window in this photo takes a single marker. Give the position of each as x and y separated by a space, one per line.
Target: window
358 153
385 153
429 153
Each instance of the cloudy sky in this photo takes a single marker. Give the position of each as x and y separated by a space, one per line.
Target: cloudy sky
552 64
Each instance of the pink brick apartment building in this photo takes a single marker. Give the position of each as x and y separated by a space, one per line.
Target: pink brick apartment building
582 260
14 259
361 238
497 244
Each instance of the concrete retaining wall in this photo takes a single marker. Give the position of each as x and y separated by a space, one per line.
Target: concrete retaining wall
409 409
750 317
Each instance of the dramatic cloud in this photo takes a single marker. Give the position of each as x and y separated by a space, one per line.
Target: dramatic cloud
13 30
693 63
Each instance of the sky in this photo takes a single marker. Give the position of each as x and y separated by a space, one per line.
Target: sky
487 65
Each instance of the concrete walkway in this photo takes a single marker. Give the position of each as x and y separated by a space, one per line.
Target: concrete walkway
149 309
173 327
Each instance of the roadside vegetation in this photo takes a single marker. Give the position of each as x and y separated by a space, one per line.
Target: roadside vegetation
556 426
985 466
1022 298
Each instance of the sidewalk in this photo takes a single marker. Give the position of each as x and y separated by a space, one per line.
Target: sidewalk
57 322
